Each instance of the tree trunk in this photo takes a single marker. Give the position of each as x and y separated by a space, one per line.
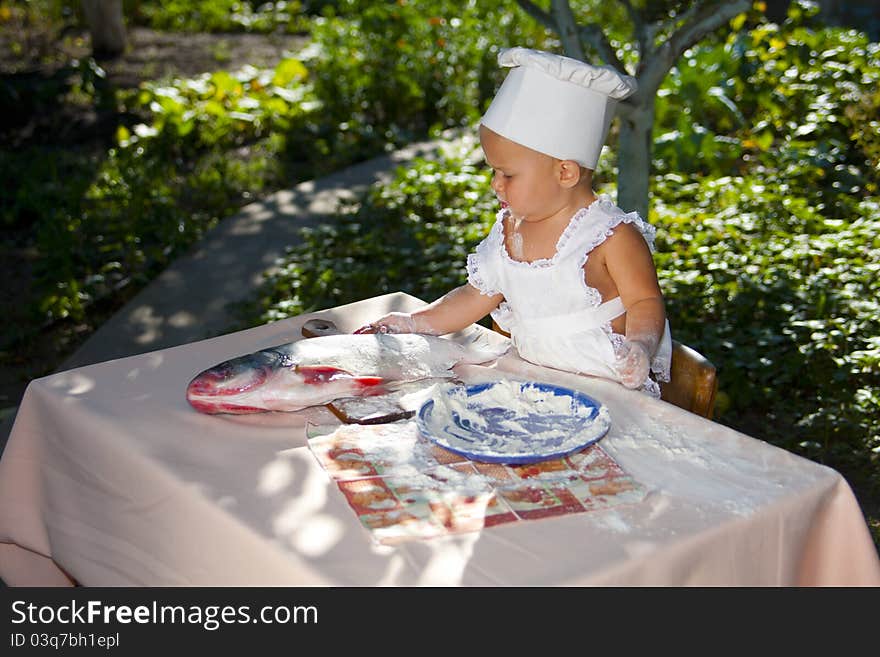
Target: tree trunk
634 156
566 27
106 26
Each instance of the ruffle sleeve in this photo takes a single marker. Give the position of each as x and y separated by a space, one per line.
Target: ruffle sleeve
594 224
484 264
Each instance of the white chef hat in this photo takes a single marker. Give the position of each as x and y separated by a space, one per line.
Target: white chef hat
556 105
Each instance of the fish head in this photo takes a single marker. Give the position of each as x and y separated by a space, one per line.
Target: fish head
232 378
271 380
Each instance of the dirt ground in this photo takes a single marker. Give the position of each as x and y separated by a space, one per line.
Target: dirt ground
30 57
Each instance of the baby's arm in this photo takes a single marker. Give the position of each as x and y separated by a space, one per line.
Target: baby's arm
452 312
631 266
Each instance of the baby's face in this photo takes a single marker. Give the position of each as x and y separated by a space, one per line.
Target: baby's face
524 180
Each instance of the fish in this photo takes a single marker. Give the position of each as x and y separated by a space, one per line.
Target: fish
318 370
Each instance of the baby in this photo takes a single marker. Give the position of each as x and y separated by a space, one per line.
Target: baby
566 273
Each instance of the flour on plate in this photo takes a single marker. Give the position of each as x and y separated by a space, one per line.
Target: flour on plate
513 418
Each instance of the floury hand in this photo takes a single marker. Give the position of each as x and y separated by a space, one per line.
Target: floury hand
632 363
397 322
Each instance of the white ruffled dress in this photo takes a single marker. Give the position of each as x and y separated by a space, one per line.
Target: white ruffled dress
554 318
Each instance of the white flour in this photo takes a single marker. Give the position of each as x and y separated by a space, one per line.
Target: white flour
521 401
516 240
714 471
510 418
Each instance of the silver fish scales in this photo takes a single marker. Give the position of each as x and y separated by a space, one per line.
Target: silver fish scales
296 375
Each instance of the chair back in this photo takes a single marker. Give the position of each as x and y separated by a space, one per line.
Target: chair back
693 381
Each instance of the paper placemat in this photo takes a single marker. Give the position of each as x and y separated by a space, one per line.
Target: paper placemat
403 487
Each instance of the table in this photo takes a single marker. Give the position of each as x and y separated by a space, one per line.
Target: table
109 478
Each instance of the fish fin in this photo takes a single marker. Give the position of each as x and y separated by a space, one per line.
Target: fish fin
320 374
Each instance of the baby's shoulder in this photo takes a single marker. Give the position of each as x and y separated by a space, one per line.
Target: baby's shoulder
623 237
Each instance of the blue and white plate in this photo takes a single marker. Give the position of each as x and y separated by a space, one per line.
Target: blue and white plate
512 422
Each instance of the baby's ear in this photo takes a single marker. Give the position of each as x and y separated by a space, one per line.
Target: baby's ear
570 173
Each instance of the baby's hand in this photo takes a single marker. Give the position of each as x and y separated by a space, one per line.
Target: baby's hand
633 363
391 323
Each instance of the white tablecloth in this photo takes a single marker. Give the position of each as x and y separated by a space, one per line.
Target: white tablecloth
110 478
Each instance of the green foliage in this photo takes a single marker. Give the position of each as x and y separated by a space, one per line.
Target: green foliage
46 11
222 16
771 254
182 15
38 182
207 144
411 235
785 301
223 109
794 101
402 69
212 143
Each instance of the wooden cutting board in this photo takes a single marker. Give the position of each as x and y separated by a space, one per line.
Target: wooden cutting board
371 410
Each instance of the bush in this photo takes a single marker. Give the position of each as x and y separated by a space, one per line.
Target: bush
789 314
796 102
404 69
221 16
211 143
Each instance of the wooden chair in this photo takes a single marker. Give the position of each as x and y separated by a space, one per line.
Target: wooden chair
692 383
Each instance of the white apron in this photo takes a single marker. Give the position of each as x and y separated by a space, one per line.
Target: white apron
554 318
